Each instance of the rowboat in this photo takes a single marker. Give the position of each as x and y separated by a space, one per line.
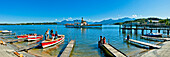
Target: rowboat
30 37
154 34
50 42
6 32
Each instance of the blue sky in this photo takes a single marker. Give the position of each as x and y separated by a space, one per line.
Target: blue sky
15 11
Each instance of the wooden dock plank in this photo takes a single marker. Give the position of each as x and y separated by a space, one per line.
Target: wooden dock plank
7 36
5 51
68 49
27 48
157 38
145 28
143 43
113 51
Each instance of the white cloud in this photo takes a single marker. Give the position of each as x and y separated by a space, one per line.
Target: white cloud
134 16
66 19
70 18
55 19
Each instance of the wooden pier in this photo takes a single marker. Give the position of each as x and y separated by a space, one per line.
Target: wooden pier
143 43
7 36
163 52
156 38
68 49
112 51
151 27
6 52
27 48
146 28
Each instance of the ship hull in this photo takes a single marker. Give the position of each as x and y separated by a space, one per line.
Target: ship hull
84 26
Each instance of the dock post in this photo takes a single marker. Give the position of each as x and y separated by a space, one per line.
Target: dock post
119 28
167 32
131 25
142 31
123 30
151 31
136 31
158 30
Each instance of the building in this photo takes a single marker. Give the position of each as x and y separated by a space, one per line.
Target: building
153 20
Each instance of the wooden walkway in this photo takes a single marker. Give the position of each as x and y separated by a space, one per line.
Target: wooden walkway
163 52
114 51
146 28
7 36
143 43
156 38
6 52
68 49
27 48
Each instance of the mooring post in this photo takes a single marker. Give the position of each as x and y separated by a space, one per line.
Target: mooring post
108 41
142 31
123 30
158 30
131 26
136 31
151 31
167 32
119 28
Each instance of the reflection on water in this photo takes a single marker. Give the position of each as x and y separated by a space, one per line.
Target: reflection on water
86 39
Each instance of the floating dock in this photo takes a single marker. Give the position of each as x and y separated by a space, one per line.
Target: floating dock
27 48
9 51
156 38
7 36
68 49
163 52
112 51
6 52
143 43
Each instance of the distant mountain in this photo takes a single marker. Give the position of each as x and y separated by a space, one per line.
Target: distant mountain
105 22
111 21
65 22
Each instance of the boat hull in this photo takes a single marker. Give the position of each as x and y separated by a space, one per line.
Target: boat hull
154 35
84 26
22 36
29 38
34 38
51 43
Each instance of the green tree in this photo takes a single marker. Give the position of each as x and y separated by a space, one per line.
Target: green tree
150 21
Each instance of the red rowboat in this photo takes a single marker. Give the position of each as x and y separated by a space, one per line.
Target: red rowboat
50 42
30 37
22 36
34 38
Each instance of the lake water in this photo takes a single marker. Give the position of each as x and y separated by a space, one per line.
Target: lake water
86 39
